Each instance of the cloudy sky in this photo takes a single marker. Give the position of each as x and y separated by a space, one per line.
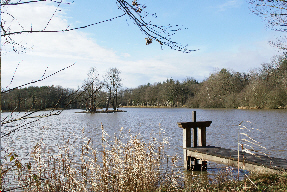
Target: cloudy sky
225 33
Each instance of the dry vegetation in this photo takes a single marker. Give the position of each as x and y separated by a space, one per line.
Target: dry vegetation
124 163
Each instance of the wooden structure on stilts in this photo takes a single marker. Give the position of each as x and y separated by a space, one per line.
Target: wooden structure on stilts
196 157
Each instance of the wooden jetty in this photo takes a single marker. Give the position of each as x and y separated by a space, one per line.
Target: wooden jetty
196 157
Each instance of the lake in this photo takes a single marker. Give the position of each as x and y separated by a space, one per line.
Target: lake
267 128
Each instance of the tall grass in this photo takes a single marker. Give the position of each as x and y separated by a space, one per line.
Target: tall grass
248 143
122 163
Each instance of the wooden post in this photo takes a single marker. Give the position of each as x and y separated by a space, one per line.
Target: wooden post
196 165
202 136
186 137
186 143
194 129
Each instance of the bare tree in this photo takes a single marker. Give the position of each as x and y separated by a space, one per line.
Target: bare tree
94 86
134 11
112 82
274 12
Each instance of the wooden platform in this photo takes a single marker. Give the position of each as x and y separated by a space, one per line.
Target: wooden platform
258 163
196 157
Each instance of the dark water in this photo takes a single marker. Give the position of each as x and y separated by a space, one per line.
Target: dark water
269 128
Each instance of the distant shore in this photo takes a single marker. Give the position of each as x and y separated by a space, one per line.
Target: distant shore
241 107
113 111
151 107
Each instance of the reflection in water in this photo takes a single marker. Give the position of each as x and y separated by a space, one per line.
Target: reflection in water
148 123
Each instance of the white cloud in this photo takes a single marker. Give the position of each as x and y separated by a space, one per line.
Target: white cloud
126 55
53 50
198 65
58 50
230 4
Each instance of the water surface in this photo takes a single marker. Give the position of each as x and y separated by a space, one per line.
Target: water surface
267 127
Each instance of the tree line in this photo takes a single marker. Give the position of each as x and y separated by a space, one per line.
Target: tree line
265 87
262 88
93 94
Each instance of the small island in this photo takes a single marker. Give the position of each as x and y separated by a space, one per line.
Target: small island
102 111
92 87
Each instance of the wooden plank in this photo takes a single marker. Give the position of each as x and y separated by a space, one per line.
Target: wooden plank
186 143
185 125
194 137
186 138
258 163
201 136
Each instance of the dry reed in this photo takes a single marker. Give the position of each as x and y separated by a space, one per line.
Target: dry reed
124 163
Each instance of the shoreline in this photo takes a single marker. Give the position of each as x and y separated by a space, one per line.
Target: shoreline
162 107
241 107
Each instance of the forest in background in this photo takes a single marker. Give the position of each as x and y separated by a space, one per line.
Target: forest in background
262 88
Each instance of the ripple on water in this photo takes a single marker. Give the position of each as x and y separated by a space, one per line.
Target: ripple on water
267 127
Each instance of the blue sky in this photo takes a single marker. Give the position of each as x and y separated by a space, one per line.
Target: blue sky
225 33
